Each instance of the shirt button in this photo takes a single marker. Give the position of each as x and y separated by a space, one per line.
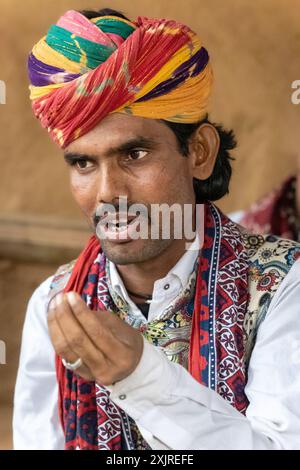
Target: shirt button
166 286
122 397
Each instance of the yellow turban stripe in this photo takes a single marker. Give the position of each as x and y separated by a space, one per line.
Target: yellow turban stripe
84 70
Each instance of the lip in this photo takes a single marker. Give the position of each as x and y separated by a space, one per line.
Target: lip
107 224
117 217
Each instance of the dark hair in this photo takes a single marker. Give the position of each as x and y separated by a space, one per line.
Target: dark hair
104 12
217 185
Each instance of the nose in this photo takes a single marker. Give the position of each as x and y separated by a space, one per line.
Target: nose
112 183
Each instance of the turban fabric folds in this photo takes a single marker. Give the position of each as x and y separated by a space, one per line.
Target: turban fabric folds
85 69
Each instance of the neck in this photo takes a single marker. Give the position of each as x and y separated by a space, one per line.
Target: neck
140 277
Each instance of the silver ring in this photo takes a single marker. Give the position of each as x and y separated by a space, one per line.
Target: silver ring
72 365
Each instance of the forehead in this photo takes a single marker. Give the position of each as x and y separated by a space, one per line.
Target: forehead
117 128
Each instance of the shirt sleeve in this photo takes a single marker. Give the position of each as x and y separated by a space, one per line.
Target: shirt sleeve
174 411
236 216
36 424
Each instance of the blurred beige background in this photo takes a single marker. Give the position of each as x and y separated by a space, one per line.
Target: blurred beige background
254 47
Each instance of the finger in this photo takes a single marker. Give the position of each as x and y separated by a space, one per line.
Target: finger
61 345
76 337
59 341
121 344
97 325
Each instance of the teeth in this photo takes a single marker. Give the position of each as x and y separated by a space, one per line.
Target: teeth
116 228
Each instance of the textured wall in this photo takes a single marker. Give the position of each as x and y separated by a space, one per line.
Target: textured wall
255 51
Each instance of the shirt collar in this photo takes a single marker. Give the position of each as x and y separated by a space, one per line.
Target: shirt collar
180 272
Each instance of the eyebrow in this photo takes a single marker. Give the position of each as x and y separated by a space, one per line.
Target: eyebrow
121 149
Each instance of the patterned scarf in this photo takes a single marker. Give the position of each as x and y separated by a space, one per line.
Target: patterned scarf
209 312
83 69
276 213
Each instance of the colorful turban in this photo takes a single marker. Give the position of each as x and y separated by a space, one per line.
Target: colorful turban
85 69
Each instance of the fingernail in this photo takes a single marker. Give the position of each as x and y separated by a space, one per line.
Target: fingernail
72 298
59 299
52 304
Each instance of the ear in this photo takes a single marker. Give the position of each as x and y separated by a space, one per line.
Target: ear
203 150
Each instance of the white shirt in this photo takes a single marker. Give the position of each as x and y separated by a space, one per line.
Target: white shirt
237 216
172 410
164 290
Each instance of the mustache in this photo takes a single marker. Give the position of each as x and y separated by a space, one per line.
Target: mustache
111 209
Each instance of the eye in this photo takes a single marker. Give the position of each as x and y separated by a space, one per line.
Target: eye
83 164
137 154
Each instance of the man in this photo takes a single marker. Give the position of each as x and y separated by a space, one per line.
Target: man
159 342
278 212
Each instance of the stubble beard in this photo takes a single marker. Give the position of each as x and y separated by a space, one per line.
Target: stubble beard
131 253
